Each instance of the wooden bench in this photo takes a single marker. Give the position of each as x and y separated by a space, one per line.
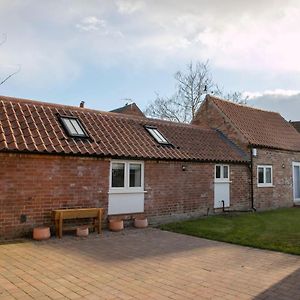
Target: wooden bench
76 213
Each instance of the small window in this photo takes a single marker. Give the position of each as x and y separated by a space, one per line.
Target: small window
264 176
157 135
118 175
222 172
127 176
73 127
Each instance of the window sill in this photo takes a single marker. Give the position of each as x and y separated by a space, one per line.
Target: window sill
222 181
127 192
265 186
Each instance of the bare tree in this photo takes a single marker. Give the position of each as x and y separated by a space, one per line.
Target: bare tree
167 109
236 97
2 81
191 88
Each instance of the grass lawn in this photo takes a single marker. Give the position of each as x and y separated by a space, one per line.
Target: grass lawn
277 230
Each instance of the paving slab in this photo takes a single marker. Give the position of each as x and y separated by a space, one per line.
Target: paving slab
145 264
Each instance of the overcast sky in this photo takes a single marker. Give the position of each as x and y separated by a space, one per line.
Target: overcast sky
103 52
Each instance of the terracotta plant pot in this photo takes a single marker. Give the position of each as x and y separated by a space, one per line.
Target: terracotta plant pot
82 231
141 222
41 233
116 225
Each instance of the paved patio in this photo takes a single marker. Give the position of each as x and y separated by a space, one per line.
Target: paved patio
145 264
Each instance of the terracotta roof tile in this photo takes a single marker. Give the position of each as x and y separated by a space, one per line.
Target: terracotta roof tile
33 126
296 125
260 127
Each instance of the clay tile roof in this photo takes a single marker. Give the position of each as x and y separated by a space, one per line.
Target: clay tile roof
31 126
260 127
129 109
296 125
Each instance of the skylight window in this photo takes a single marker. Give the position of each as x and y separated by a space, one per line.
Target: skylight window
73 127
157 135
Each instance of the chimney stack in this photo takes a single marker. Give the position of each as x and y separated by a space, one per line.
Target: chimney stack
81 104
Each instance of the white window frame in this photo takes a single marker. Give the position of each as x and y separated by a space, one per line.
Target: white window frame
126 188
295 164
264 184
222 179
157 135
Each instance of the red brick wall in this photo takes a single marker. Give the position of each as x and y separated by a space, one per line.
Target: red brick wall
209 116
174 193
240 187
281 194
34 185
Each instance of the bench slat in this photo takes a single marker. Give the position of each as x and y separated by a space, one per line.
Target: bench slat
76 213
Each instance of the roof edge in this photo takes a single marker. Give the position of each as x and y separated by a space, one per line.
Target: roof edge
103 156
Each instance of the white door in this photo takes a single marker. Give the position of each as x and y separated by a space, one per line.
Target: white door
222 186
296 181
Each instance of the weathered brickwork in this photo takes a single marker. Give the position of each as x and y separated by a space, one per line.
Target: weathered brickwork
240 188
173 193
34 185
209 116
281 194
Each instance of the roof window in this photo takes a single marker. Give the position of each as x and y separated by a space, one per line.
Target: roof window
73 127
157 135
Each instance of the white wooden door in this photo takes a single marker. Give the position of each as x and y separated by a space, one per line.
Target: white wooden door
221 186
296 181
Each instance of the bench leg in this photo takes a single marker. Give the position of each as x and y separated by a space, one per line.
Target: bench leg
60 225
56 228
99 220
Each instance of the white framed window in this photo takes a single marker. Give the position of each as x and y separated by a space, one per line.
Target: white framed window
157 135
264 176
126 176
222 173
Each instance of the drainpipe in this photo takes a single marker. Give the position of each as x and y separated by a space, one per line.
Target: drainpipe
251 180
223 205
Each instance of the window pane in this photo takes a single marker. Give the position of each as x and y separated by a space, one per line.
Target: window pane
260 175
218 171
69 125
225 172
77 127
157 135
162 139
268 175
135 175
117 176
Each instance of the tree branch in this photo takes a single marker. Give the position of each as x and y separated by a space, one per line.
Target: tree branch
12 74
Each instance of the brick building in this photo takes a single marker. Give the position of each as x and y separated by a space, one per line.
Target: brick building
54 156
271 142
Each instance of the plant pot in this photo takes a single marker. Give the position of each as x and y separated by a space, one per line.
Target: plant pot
41 233
116 225
141 222
82 231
